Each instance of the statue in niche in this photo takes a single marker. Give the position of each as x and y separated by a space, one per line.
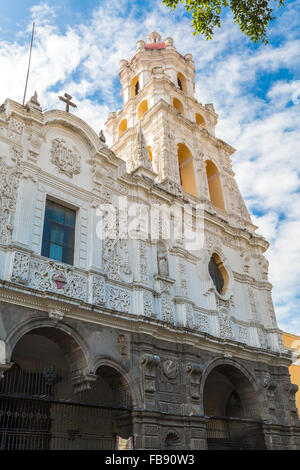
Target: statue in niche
162 262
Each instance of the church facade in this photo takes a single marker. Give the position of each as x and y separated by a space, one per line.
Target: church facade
135 305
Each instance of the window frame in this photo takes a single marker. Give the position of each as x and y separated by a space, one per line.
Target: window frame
52 222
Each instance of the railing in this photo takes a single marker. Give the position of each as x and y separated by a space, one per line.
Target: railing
234 433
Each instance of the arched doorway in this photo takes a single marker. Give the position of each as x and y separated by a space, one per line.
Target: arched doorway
232 407
49 400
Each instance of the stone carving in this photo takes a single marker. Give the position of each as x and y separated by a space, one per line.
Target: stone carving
56 315
194 372
170 368
225 325
167 309
201 322
254 311
143 262
162 263
9 182
123 345
243 334
82 381
55 277
141 157
149 363
270 386
15 130
147 296
182 274
98 294
115 258
262 337
118 299
67 160
20 270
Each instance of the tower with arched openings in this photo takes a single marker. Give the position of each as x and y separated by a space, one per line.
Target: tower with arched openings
135 308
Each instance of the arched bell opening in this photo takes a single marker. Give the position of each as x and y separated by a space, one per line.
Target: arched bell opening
186 169
142 109
214 185
134 87
178 105
200 120
49 400
122 127
181 82
232 407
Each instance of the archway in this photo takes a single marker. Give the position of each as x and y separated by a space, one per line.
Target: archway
232 407
181 82
200 120
186 169
122 127
178 105
50 400
214 185
142 109
134 87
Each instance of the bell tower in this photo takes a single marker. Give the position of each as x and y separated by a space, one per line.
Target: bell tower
178 131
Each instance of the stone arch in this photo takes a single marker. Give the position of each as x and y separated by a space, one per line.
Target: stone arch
77 125
134 86
181 82
142 109
200 120
214 185
122 127
172 440
63 332
106 361
178 105
186 169
236 372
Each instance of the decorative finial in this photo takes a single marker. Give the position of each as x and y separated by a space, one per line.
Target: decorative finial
154 37
34 102
68 102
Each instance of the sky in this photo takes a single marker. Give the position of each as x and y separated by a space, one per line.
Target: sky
255 90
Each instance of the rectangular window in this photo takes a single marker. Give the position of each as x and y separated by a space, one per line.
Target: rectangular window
58 235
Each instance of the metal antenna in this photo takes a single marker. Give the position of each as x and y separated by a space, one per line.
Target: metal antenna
33 25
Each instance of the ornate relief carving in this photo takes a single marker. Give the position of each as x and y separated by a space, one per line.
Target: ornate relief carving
98 295
194 372
270 386
123 345
56 315
115 258
243 334
254 311
167 308
201 322
66 159
82 381
143 261
55 277
149 363
225 325
20 270
9 182
148 308
170 368
118 299
15 130
182 273
262 337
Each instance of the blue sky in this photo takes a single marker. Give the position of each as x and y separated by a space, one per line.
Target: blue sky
255 90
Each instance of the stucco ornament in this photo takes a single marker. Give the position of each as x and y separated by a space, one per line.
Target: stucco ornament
170 368
66 159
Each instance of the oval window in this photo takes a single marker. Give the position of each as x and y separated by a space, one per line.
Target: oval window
218 273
